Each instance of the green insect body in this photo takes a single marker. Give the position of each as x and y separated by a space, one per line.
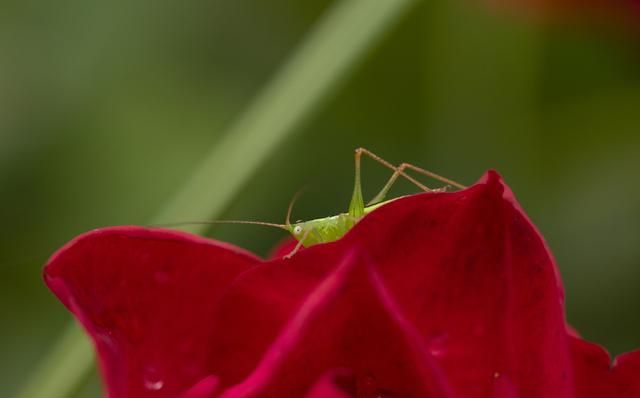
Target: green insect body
329 229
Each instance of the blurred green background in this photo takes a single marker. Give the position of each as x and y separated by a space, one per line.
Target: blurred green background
107 107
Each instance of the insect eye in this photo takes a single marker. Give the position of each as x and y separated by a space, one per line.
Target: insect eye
297 230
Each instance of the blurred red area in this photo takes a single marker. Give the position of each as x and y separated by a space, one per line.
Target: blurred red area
622 15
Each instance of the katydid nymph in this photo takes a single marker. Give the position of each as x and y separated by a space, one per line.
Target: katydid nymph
328 229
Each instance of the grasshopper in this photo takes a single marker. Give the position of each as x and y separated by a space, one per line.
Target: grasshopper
329 229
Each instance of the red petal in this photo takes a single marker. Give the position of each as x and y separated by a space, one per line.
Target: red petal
591 370
284 247
205 388
474 275
466 268
626 375
348 320
596 377
147 299
430 292
328 386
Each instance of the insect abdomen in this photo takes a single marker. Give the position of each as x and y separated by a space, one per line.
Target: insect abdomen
327 229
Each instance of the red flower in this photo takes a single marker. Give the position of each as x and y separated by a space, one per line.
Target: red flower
434 295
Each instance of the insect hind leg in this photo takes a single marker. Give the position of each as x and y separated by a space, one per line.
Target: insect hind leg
394 177
400 171
433 175
397 172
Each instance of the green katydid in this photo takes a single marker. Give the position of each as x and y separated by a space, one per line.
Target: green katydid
328 229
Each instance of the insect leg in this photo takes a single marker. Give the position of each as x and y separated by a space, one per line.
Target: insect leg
356 206
397 171
290 209
383 192
432 175
385 189
299 244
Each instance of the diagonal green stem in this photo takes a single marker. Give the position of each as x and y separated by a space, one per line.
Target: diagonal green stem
321 63
326 56
64 368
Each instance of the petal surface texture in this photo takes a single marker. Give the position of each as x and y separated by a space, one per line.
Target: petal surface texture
436 295
466 270
344 321
147 298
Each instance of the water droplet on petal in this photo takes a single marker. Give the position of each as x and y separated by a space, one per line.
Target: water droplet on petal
502 386
437 345
153 380
153 385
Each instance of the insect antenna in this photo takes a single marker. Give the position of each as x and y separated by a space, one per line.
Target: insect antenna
293 202
178 224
